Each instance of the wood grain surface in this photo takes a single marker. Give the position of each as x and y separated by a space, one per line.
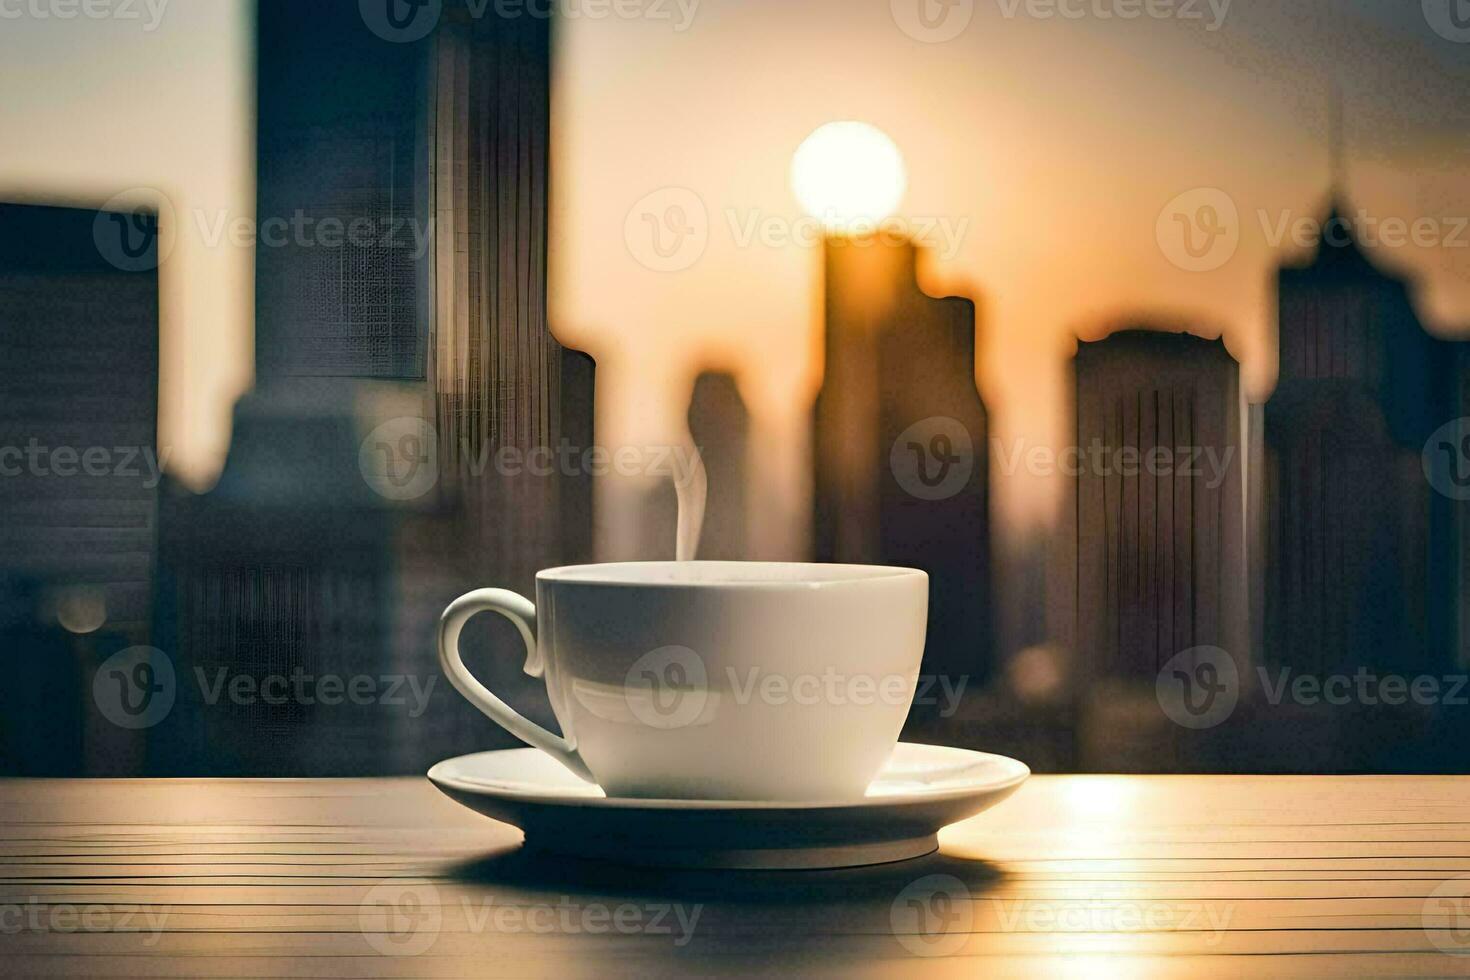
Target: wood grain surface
1075 876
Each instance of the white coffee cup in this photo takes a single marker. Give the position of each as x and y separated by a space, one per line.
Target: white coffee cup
713 680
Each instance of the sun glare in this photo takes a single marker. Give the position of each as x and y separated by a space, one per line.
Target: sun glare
848 175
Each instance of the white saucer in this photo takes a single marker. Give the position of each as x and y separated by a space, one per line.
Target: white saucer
921 789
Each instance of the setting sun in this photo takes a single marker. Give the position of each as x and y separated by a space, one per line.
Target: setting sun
848 175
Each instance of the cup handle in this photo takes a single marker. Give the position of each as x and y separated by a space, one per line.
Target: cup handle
520 611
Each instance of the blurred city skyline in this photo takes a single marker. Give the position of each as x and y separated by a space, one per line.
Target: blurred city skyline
96 106
1107 276
1059 144
1044 147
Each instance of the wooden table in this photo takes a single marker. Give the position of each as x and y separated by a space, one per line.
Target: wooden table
1075 876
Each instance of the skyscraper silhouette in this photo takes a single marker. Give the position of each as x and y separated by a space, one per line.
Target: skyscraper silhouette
79 471
1159 534
902 474
1360 559
415 351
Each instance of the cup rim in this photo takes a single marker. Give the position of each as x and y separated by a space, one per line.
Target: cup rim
829 575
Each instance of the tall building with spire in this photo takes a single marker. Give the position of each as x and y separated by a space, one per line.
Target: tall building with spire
1359 561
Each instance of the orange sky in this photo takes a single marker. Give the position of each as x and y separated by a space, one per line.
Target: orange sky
1056 143
162 107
